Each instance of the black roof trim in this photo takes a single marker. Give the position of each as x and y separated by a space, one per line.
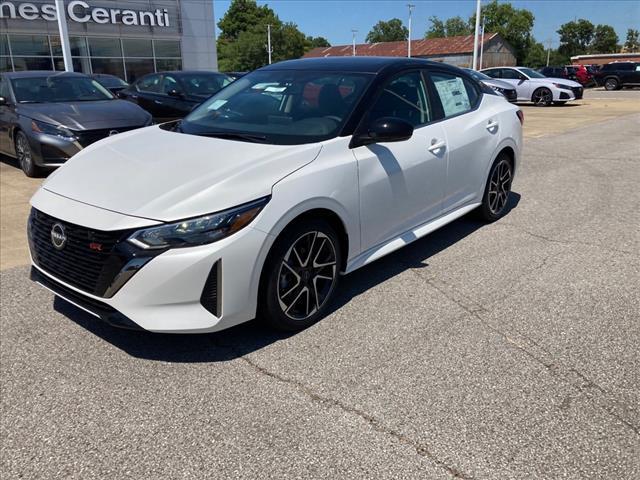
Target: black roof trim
356 64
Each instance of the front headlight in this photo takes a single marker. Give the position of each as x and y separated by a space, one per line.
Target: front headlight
198 231
54 130
562 86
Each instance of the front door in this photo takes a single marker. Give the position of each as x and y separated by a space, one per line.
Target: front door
401 183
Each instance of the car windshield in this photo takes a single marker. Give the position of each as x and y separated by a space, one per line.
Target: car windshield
283 107
478 75
111 81
204 84
531 73
54 89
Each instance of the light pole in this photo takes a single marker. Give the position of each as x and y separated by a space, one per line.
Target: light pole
411 7
475 38
548 50
64 35
353 35
269 49
481 45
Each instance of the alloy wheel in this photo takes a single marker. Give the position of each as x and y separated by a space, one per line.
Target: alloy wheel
23 152
611 84
499 187
307 275
542 96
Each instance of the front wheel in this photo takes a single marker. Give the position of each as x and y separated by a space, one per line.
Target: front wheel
542 97
300 276
25 155
497 190
611 84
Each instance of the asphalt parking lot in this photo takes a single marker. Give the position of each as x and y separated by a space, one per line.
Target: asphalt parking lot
499 351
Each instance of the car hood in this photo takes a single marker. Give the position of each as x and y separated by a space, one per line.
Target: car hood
87 115
166 176
563 81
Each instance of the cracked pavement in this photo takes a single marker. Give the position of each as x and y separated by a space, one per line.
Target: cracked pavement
482 351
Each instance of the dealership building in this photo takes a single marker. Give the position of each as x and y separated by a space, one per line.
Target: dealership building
127 38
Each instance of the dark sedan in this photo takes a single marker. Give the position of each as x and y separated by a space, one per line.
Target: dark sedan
111 82
172 95
47 117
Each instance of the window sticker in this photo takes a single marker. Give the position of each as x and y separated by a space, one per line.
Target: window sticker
453 96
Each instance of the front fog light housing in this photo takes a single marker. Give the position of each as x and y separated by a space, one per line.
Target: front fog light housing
200 230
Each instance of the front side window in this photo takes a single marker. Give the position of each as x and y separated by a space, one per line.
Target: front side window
58 89
530 73
457 95
511 74
405 97
204 85
150 83
495 73
284 107
169 83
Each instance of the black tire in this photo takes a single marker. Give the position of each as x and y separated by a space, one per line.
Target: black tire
611 84
559 103
300 275
497 190
542 97
24 155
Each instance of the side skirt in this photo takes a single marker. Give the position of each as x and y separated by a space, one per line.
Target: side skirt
406 238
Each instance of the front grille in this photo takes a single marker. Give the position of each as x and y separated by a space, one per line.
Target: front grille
86 268
87 137
511 95
577 92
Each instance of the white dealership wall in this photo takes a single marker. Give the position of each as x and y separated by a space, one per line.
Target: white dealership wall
190 21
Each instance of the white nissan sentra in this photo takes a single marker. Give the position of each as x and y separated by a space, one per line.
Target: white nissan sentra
257 202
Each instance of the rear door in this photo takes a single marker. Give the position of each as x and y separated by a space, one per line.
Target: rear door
8 117
401 183
147 94
472 135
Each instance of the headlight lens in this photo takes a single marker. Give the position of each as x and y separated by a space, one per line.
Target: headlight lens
198 231
564 87
55 130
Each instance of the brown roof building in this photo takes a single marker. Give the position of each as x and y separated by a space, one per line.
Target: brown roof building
453 50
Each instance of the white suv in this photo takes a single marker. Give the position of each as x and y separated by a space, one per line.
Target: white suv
532 86
257 201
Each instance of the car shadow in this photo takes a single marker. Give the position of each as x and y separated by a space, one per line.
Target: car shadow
252 336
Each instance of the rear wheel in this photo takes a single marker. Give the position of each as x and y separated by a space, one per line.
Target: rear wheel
542 97
25 155
497 190
611 84
300 276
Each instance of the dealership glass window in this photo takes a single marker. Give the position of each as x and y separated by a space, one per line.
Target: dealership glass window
78 46
105 47
32 63
137 67
168 64
111 66
4 46
30 45
137 47
167 48
5 64
79 64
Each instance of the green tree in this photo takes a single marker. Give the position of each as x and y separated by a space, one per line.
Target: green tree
536 56
389 31
451 27
632 43
576 37
605 40
242 43
513 24
315 42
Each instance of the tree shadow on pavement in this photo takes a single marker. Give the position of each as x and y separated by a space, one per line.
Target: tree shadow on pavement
251 336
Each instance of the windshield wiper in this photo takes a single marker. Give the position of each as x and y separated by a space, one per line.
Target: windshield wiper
250 137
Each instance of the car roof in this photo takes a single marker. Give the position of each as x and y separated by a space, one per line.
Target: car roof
187 72
355 64
42 73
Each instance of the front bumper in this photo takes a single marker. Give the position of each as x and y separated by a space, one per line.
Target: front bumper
168 293
52 151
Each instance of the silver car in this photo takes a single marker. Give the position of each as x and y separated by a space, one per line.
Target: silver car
499 86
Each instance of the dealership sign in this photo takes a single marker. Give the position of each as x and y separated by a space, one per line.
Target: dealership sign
81 12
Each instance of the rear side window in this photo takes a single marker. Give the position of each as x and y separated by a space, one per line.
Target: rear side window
457 94
495 73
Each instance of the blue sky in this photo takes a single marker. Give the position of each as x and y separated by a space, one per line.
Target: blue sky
334 19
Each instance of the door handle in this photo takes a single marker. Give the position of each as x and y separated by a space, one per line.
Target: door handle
437 145
492 126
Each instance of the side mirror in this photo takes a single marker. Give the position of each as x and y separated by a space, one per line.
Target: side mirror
522 80
175 93
385 129
3 102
